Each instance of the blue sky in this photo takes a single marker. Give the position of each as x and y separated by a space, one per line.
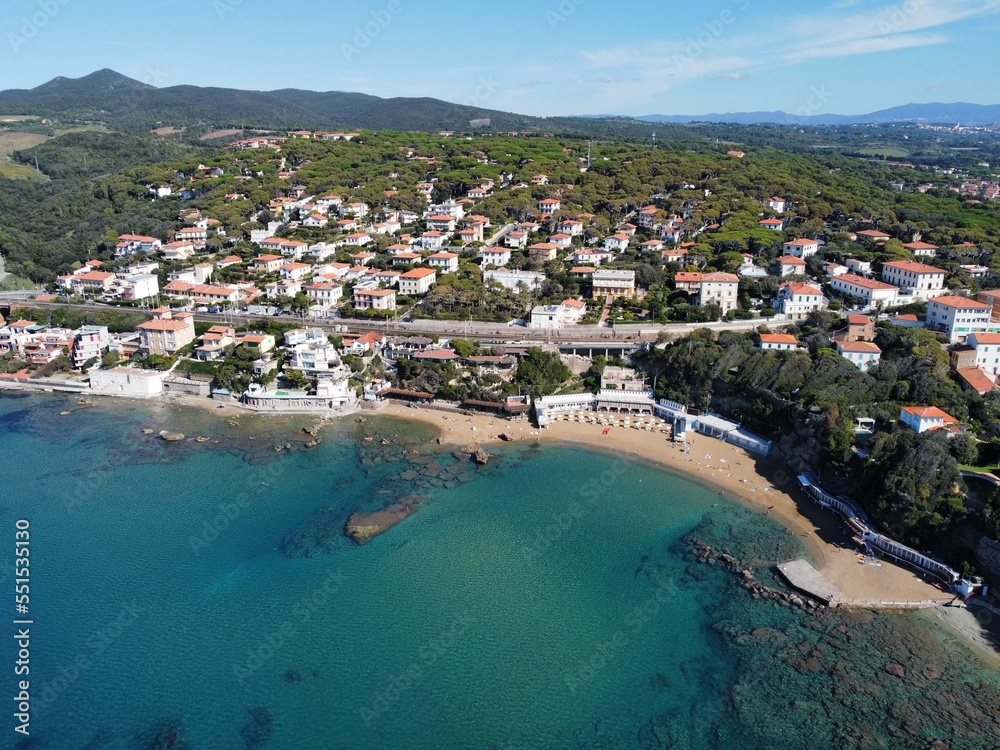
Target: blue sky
539 57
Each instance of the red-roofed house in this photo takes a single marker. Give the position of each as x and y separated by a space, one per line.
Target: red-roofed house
780 341
325 294
358 239
777 225
795 300
801 248
869 291
444 262
873 234
295 271
549 206
992 298
861 354
922 249
494 256
129 244
987 346
789 265
687 281
166 333
957 316
543 252
924 418
859 328
268 263
441 223
976 379
719 289
617 243
92 282
918 279
572 227
418 281
375 299
517 239
432 240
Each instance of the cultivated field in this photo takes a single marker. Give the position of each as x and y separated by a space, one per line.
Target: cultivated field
11 142
220 134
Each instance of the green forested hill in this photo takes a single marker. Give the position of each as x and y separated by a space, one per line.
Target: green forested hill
99 185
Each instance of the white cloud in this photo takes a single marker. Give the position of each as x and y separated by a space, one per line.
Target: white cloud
849 28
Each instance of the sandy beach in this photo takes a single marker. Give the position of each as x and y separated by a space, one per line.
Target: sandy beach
720 465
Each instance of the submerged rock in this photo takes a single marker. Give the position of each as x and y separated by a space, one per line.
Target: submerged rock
258 730
167 735
171 437
363 527
322 535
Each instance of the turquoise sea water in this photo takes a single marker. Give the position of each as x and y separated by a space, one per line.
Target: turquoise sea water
205 596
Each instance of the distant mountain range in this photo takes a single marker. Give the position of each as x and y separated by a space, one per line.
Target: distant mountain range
935 114
126 104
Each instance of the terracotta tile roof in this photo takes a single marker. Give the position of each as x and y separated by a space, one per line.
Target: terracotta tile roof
960 302
929 412
863 347
778 338
850 278
977 379
912 266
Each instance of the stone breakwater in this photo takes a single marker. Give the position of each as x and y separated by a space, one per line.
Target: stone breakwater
700 551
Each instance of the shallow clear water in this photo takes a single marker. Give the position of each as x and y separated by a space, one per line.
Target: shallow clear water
545 601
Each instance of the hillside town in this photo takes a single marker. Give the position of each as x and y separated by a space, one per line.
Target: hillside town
331 258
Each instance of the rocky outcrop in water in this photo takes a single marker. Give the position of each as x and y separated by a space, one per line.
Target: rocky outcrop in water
166 735
363 527
704 553
258 730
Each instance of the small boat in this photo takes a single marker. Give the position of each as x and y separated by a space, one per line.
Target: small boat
65 412
202 439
